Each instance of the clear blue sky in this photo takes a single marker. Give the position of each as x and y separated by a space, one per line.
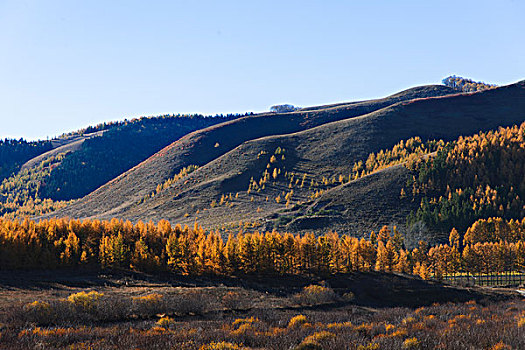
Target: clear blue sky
68 64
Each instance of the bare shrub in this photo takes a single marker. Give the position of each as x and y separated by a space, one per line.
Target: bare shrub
85 301
78 308
148 305
166 322
316 340
192 302
315 295
235 301
221 346
308 346
40 312
348 296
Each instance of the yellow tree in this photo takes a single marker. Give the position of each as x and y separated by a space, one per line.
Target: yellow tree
436 259
391 255
217 258
454 239
142 259
105 252
347 246
336 257
247 253
357 262
384 234
231 255
308 251
291 253
71 254
373 238
368 253
403 264
174 252
421 270
470 259
397 239
381 256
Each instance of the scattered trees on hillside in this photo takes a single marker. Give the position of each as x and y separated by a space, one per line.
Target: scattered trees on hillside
169 182
20 194
475 177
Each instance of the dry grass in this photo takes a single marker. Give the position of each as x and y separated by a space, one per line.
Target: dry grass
159 316
448 326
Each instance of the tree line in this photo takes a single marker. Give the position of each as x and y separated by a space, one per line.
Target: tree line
141 120
490 246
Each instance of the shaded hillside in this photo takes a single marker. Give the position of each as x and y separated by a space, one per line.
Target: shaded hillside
14 153
199 148
60 145
101 159
77 163
19 193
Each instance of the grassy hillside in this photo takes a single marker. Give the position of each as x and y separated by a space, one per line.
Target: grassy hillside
71 166
207 145
121 147
298 181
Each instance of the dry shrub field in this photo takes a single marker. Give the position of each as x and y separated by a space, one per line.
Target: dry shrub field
141 314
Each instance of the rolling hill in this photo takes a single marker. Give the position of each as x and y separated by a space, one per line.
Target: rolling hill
208 144
41 176
291 171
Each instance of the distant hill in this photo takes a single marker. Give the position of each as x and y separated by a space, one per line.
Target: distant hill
14 153
40 175
291 171
100 159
